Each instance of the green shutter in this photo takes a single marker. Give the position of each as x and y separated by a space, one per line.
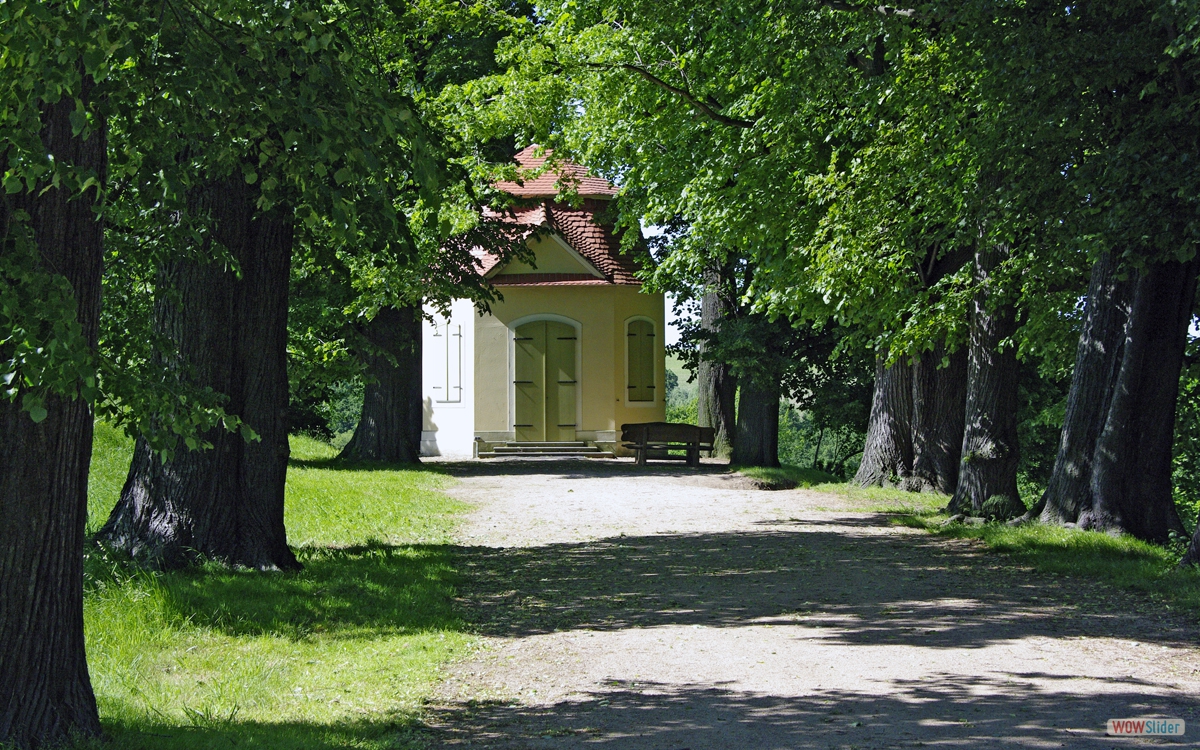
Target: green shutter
640 348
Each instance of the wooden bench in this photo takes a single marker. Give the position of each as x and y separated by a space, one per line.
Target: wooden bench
663 437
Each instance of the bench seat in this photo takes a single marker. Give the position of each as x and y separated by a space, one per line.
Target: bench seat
660 437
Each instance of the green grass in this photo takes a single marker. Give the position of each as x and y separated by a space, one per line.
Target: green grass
111 450
886 499
867 499
1119 561
339 655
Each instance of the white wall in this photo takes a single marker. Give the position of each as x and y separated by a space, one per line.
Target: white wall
448 382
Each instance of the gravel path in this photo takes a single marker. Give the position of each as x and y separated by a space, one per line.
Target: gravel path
673 609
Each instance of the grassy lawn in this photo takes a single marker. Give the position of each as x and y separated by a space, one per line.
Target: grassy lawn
339 655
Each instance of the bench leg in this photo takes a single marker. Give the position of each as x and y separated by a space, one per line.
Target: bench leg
693 454
641 455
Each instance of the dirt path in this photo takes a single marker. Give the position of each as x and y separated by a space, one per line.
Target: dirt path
676 610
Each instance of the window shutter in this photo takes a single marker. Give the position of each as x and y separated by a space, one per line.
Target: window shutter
640 349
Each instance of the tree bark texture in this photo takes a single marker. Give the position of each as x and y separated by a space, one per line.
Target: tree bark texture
887 454
389 428
46 695
225 503
757 439
716 386
938 420
1131 478
987 477
1068 494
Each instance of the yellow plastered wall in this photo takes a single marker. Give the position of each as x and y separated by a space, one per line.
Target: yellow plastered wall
552 255
602 312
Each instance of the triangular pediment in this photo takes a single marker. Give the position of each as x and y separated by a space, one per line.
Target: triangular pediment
552 255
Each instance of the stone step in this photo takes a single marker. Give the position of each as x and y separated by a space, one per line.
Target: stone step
514 449
544 454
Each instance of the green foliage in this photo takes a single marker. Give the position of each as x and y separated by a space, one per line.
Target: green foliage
831 448
682 406
341 654
1185 468
42 348
49 51
1041 409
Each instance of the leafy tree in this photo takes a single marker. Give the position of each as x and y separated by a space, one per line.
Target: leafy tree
430 45
55 103
319 146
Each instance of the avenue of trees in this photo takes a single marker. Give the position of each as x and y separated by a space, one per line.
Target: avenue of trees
216 213
965 189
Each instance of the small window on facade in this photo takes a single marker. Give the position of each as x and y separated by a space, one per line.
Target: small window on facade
639 348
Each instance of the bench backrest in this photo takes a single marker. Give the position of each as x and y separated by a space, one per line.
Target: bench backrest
667 432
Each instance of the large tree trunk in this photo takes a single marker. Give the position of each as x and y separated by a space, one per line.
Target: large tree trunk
1068 494
887 453
987 477
46 696
757 440
224 503
390 426
1131 478
716 386
938 420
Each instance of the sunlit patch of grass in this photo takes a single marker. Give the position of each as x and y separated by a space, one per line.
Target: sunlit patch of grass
1119 561
332 503
339 655
886 499
111 451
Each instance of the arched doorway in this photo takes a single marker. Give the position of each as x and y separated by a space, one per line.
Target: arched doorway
545 384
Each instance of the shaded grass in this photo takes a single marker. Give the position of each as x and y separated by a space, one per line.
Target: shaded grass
340 654
1119 561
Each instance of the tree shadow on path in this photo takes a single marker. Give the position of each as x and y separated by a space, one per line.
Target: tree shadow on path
952 711
854 582
904 588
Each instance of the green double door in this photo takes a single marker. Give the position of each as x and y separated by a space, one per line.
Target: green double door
544 382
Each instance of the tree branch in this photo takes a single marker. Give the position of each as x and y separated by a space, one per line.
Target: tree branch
682 93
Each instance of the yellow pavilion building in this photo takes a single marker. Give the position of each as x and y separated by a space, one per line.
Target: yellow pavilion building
574 350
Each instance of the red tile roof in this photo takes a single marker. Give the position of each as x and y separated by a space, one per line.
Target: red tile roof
586 228
592 237
563 178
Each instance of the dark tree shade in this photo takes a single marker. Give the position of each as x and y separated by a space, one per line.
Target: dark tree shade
757 440
1131 478
887 453
939 404
716 386
390 426
226 502
1097 360
45 693
987 477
